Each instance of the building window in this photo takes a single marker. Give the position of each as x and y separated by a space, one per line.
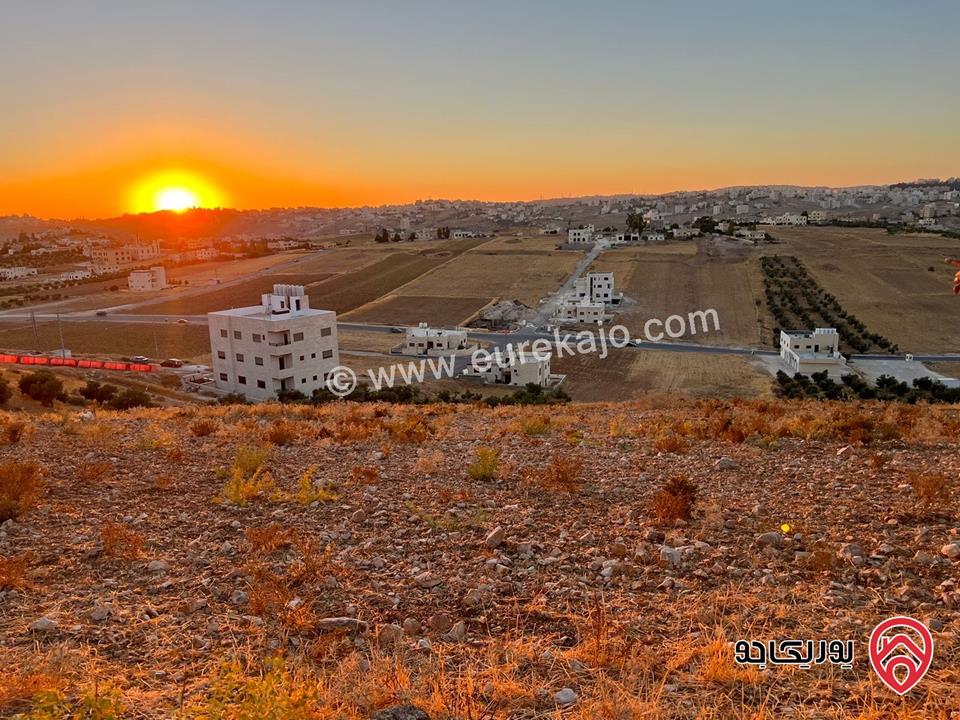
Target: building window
301 358
297 337
314 378
223 377
261 384
236 335
241 379
313 356
303 381
223 333
327 354
239 357
257 360
325 332
221 354
257 337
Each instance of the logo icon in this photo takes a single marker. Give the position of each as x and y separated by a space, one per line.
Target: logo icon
896 656
341 381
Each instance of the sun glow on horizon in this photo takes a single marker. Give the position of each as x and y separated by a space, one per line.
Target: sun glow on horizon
176 191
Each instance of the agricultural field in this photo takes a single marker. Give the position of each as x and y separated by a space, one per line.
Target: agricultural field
412 309
897 284
188 342
660 281
631 375
525 269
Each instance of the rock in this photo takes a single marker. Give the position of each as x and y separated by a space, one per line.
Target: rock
670 555
157 566
390 634
440 622
472 599
725 463
239 597
342 623
652 535
850 551
43 625
618 550
427 579
770 539
458 633
565 697
226 548
935 624
951 550
494 538
412 626
424 644
100 613
359 516
401 712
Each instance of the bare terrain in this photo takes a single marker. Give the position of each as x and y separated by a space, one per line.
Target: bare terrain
897 284
520 562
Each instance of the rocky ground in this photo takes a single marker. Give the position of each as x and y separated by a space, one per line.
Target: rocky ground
345 560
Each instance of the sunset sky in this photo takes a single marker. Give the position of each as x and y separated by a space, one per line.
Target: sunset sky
329 104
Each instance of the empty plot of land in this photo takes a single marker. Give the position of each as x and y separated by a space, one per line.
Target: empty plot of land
413 309
155 340
897 284
508 273
240 294
677 283
631 374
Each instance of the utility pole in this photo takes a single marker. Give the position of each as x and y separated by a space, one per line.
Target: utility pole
156 345
63 349
36 333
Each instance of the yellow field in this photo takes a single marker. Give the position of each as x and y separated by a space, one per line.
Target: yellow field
683 280
884 279
189 342
527 271
413 309
629 375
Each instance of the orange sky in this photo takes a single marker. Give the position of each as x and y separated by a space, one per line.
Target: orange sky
341 106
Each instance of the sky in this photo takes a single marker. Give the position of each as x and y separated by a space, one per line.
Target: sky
284 103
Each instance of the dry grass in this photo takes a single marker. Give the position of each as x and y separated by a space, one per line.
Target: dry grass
932 490
120 541
204 427
281 432
14 573
485 463
561 473
20 484
675 500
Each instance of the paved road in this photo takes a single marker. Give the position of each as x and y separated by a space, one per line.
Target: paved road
549 307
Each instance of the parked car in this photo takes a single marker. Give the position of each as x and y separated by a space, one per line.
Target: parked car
182 321
396 330
101 313
172 363
139 359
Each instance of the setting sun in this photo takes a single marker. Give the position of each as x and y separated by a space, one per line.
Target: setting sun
176 191
176 199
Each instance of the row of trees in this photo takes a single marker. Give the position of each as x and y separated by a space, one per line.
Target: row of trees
45 387
852 387
796 300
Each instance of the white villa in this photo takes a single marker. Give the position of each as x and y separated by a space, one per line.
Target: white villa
582 234
425 340
145 280
588 300
809 352
521 369
280 344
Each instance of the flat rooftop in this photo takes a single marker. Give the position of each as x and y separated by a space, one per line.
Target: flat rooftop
257 312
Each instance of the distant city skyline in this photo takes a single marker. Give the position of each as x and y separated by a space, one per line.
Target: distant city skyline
256 105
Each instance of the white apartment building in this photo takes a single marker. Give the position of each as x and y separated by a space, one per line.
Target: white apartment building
580 310
655 237
207 253
582 234
596 287
280 344
146 280
424 340
685 233
521 369
15 273
786 219
817 216
752 234
113 257
809 352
